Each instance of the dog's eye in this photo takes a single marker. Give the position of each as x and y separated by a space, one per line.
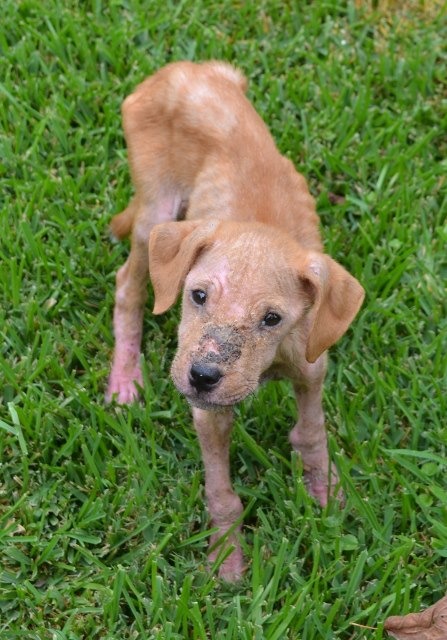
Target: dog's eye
198 296
271 319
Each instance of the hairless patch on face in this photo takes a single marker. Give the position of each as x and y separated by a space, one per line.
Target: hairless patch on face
220 344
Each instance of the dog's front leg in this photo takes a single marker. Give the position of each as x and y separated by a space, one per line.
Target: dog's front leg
309 438
225 507
131 293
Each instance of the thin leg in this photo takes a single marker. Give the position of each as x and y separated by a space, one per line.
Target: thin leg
225 507
131 293
309 438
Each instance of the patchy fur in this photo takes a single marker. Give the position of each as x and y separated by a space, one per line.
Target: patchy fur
221 215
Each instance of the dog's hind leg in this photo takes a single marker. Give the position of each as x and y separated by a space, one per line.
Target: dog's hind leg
224 506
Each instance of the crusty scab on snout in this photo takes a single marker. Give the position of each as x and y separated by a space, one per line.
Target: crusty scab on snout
219 347
205 370
220 344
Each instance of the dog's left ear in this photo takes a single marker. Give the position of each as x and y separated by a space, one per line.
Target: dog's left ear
336 298
173 249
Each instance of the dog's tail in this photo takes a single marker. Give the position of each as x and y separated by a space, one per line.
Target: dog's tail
121 224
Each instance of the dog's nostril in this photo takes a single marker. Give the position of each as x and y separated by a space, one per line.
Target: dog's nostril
204 377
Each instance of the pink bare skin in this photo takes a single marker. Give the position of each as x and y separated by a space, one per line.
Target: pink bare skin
221 215
131 293
224 506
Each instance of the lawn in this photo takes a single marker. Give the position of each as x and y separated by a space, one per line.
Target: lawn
103 531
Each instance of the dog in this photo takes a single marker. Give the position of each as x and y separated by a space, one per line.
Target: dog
221 214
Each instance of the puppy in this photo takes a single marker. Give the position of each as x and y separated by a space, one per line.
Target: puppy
219 213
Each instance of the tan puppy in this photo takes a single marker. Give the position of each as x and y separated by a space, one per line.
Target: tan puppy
260 298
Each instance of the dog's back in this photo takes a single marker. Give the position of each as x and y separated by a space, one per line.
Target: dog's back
201 97
198 126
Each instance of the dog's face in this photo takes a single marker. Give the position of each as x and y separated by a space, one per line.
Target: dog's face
240 300
247 291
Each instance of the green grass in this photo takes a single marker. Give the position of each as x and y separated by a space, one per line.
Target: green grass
103 531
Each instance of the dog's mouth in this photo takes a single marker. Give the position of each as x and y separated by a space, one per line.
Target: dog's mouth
200 401
212 400
206 401
207 384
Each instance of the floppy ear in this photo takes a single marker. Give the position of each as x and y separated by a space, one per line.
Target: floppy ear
337 297
173 249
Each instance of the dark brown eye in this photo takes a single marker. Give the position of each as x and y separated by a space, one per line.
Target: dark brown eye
271 319
198 296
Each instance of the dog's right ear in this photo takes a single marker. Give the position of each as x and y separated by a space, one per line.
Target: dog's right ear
173 249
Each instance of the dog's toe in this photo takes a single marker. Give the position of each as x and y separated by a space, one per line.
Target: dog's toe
232 568
321 488
124 387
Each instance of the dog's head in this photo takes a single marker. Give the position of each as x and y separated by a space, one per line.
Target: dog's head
251 295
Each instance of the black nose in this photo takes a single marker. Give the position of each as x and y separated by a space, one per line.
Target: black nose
204 377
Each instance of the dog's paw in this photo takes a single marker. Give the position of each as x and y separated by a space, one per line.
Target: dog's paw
232 568
123 388
320 487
